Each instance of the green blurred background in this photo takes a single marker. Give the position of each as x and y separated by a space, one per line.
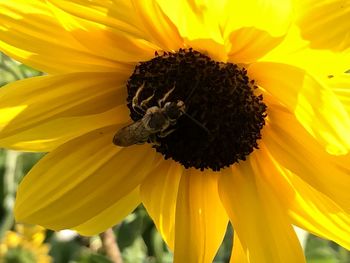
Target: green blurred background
136 238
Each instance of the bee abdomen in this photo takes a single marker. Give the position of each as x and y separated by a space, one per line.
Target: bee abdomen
121 138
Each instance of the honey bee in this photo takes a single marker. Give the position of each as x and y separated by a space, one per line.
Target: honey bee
157 121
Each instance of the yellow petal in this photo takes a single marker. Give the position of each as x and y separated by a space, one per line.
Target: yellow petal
159 193
340 85
162 31
295 50
81 179
43 112
209 47
248 44
201 220
31 34
271 16
198 24
238 255
315 105
99 38
259 219
318 214
307 208
291 146
254 27
195 19
115 14
111 215
316 17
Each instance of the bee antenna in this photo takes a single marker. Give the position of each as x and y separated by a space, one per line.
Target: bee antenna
197 122
192 91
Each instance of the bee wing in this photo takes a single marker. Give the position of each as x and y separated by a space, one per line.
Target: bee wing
135 133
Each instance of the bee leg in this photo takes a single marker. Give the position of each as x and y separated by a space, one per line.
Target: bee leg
162 101
138 110
144 103
153 139
165 133
135 101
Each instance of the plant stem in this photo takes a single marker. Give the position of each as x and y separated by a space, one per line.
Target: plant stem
110 245
10 185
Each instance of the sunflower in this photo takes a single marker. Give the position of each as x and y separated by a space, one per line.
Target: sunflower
206 112
24 245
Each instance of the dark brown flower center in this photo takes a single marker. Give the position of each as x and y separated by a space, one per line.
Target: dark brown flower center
215 119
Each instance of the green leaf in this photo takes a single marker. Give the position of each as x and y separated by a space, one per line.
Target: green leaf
224 252
93 258
2 187
135 253
28 72
19 255
64 252
318 250
129 230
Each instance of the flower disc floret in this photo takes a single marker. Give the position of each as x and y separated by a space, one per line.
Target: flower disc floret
223 116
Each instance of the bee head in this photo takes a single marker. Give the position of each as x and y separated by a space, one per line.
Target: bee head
174 110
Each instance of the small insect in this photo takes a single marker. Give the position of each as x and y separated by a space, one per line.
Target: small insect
156 120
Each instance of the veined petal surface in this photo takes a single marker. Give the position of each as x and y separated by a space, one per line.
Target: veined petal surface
295 149
295 50
68 188
111 215
238 254
253 28
239 29
248 44
158 26
159 194
271 16
30 33
195 19
198 24
43 112
201 220
259 219
111 42
318 214
138 19
341 88
307 207
315 105
325 23
114 14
